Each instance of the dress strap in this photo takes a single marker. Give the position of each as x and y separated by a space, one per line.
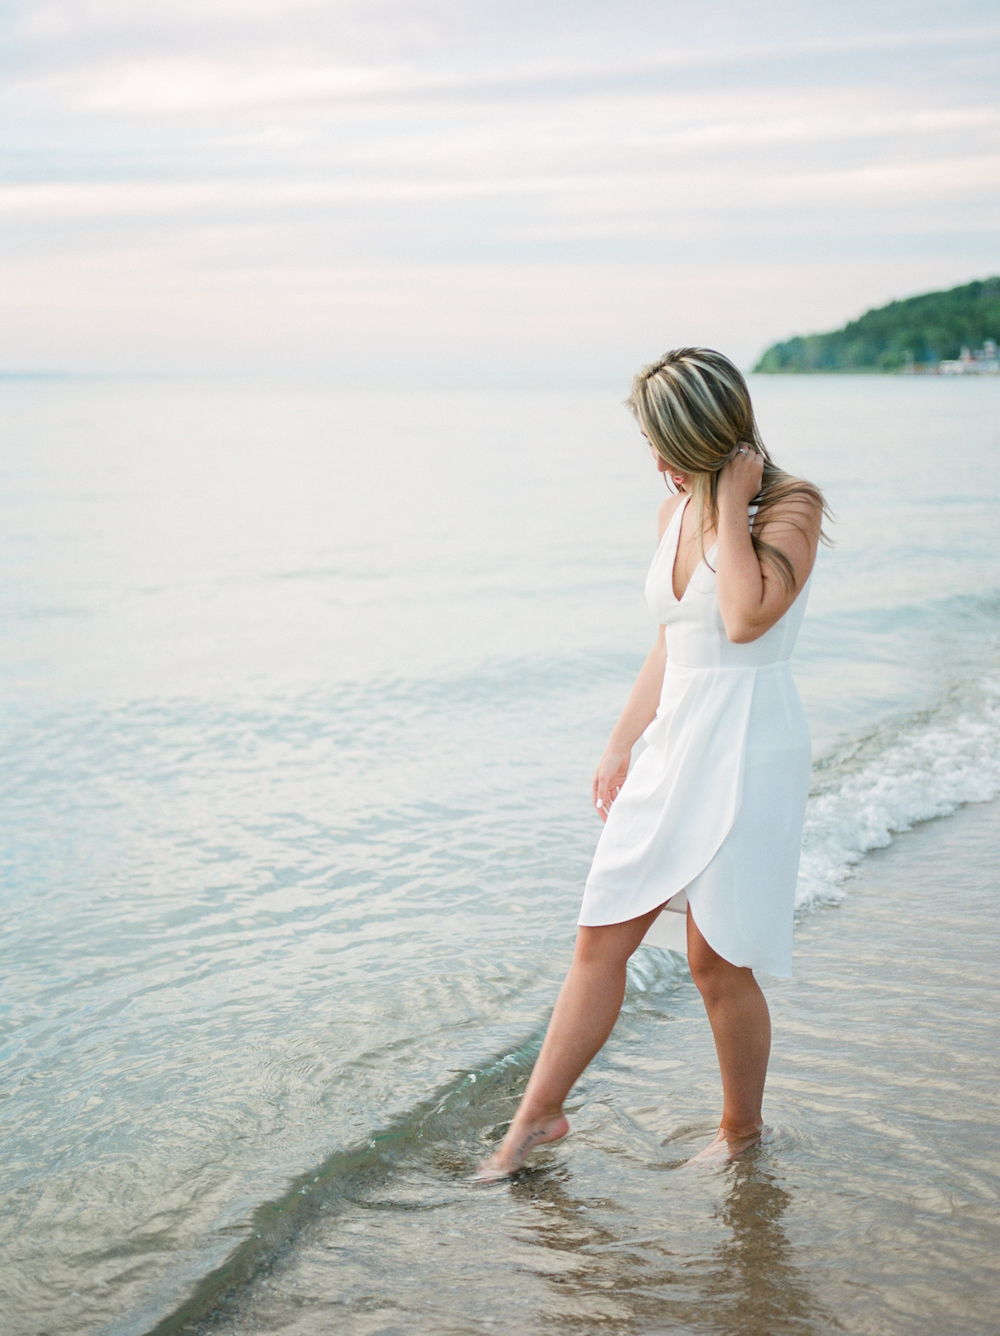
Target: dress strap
675 518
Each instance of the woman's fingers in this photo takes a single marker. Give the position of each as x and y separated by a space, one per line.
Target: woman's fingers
605 791
602 799
741 475
608 780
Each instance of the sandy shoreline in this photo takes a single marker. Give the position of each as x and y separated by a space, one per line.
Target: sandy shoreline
871 1211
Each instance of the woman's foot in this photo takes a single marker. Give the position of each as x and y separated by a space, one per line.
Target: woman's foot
726 1146
522 1138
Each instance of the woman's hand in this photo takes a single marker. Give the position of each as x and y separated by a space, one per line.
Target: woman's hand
739 481
608 779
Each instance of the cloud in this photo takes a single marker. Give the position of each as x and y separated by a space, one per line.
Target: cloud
486 164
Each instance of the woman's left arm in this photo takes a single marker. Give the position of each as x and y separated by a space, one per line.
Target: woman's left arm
752 595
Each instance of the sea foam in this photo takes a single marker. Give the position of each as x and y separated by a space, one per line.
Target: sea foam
903 772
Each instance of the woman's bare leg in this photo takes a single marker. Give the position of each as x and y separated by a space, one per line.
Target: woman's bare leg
741 1024
584 1016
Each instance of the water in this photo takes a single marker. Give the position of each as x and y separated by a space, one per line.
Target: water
871 1209
302 693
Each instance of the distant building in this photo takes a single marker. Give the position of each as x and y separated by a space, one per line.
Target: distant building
982 362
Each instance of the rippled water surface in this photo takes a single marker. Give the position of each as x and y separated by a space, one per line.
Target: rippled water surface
870 1209
302 692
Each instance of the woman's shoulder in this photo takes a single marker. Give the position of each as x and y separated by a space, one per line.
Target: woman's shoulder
666 512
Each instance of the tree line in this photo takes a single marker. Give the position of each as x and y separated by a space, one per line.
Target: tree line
926 329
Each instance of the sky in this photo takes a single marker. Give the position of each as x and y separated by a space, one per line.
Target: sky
442 191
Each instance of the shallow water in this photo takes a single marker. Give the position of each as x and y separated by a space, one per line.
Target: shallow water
870 1209
302 693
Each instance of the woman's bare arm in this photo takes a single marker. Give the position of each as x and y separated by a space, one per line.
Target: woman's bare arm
639 709
752 595
634 720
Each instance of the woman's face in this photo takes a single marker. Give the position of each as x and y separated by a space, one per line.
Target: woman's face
674 476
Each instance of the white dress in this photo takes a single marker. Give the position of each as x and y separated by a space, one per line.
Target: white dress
711 813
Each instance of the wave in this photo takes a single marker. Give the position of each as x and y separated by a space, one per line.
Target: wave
446 1134
902 772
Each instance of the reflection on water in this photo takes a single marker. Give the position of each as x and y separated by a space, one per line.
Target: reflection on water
754 1286
749 1284
857 1215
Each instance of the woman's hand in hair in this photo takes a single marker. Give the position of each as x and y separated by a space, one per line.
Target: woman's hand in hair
739 481
752 594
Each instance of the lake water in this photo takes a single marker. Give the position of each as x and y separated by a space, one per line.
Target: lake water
302 691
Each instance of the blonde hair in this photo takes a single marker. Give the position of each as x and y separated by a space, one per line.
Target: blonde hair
694 407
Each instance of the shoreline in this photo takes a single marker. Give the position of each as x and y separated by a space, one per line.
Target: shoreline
868 1043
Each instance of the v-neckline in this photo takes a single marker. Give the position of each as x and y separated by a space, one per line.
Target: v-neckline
678 516
677 547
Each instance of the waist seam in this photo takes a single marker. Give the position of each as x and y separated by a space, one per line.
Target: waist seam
727 667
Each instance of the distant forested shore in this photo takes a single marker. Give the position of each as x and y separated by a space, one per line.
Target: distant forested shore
920 332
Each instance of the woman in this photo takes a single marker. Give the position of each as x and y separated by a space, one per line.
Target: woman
700 845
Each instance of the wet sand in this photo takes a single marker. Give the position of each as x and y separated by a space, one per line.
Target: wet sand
872 1210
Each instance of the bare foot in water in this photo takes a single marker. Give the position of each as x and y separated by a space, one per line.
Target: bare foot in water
519 1142
726 1146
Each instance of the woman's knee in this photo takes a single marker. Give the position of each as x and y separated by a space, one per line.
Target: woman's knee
713 975
611 945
